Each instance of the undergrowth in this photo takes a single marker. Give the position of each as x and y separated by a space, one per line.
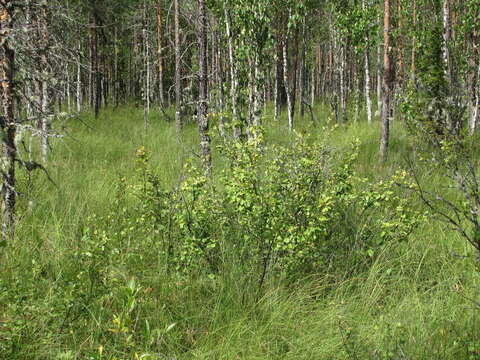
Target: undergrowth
300 247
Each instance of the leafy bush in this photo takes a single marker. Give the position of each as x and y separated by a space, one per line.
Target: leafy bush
274 210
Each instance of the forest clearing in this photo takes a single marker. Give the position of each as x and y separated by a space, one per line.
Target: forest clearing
251 179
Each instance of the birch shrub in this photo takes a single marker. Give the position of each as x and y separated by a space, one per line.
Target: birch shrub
273 210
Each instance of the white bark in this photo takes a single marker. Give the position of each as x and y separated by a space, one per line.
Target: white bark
475 111
69 99
276 95
287 86
312 87
357 98
379 79
146 90
343 91
368 86
45 121
178 72
251 91
79 80
446 39
221 97
116 92
8 124
257 95
367 75
233 74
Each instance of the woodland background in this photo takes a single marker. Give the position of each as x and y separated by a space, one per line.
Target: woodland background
239 179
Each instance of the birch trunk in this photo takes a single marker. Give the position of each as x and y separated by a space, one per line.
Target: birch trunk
221 82
414 42
251 84
367 75
278 78
474 83
293 72
446 40
205 140
400 74
312 85
335 73
67 90
79 79
146 82
387 83
90 71
287 85
379 78
29 85
343 90
95 67
303 73
475 111
178 71
116 86
160 53
46 101
237 131
257 93
7 121
368 86
356 82
212 65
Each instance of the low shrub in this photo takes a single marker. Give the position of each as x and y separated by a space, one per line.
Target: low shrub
274 210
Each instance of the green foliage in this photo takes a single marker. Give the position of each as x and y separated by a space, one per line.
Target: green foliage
280 210
97 269
431 68
435 113
470 16
432 108
357 24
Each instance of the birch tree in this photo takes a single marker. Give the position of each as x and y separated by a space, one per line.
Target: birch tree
447 36
366 56
160 42
46 116
7 120
178 70
387 82
203 89
233 72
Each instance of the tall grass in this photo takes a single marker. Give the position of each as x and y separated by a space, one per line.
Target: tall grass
415 302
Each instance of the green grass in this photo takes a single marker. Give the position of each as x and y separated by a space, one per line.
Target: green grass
412 303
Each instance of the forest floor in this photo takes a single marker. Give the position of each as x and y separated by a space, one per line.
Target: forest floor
57 301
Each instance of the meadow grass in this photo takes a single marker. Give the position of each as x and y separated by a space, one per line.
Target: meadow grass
414 302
